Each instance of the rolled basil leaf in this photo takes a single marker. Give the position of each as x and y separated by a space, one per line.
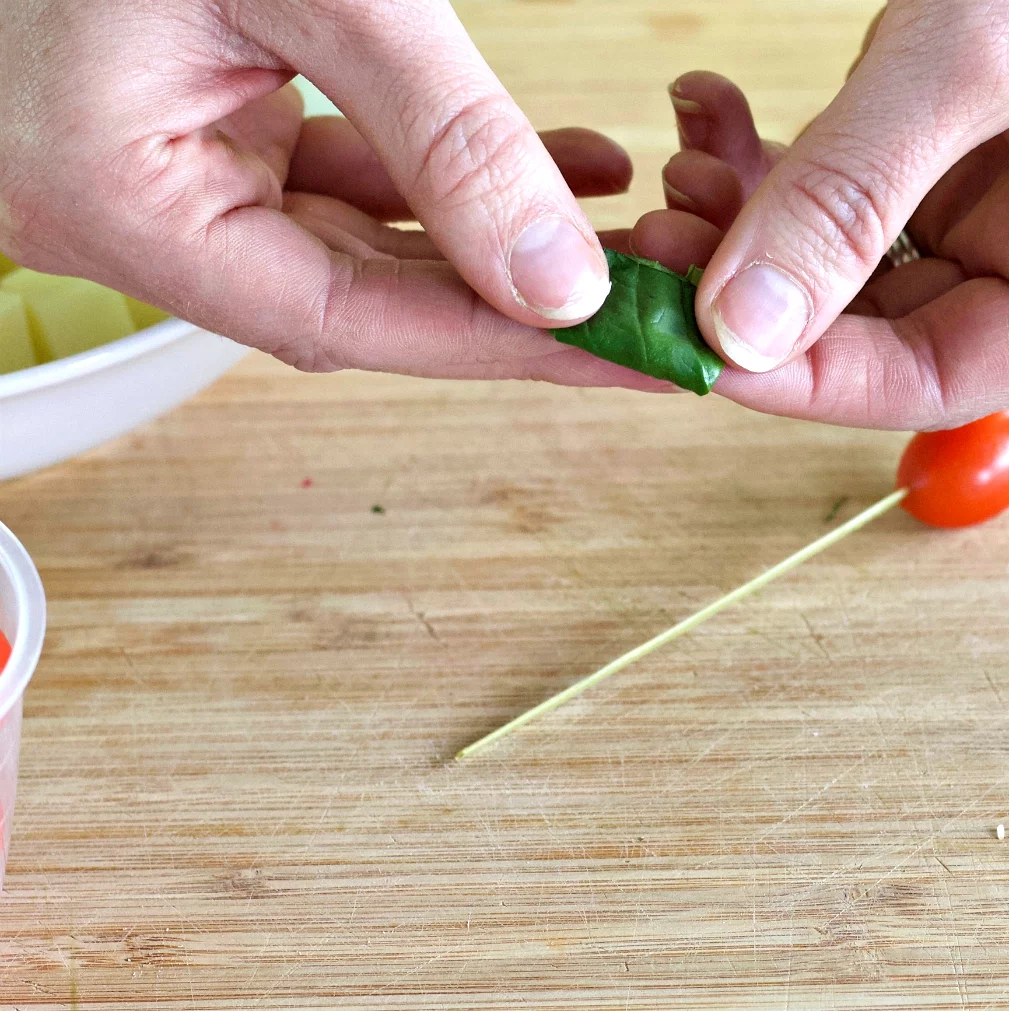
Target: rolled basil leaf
647 323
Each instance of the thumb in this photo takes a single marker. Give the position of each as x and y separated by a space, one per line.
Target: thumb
823 219
457 147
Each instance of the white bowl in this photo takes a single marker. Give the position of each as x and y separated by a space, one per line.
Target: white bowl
53 412
23 622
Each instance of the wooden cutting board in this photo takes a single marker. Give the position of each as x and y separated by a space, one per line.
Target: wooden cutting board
236 789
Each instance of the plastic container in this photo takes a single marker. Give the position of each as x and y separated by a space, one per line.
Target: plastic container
52 412
23 622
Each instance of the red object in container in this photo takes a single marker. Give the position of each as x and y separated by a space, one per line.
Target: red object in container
5 651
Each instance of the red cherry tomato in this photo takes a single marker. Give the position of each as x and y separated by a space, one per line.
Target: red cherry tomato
5 652
960 477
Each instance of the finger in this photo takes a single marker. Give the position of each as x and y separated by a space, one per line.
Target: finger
978 239
225 256
675 238
346 229
334 221
377 314
316 215
268 128
591 164
566 367
713 116
704 185
334 159
943 365
454 144
817 228
618 240
899 292
948 204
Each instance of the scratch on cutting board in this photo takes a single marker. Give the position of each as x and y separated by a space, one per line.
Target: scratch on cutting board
942 863
955 951
310 952
993 687
811 799
777 644
791 951
707 787
419 615
38 988
907 857
718 741
818 639
400 976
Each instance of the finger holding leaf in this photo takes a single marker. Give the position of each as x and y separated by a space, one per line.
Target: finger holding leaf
919 346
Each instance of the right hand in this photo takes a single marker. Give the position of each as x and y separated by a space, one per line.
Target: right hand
153 147
920 346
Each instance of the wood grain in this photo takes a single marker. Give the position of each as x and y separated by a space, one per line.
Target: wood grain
235 790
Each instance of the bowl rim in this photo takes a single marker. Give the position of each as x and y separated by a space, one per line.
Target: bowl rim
65 370
18 567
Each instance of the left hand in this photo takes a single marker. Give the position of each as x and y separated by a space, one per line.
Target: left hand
158 149
336 188
917 347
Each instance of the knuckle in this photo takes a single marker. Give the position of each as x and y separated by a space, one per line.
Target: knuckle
149 172
316 340
331 318
940 393
180 187
843 213
475 151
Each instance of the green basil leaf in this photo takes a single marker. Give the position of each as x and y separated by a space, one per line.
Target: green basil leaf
647 324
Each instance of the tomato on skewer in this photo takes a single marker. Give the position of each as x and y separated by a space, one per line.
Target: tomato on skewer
960 477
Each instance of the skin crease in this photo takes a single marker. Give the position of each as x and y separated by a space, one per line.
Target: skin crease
925 346
155 147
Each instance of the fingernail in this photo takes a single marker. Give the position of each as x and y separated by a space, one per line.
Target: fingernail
759 317
556 273
686 105
675 197
691 120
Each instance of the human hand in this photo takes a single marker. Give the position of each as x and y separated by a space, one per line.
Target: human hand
918 135
154 148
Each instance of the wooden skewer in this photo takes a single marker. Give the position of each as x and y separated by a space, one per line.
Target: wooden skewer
688 624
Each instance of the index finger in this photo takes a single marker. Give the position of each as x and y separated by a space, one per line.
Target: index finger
332 158
454 143
246 269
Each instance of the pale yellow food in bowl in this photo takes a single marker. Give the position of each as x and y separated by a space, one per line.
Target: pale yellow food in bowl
44 318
